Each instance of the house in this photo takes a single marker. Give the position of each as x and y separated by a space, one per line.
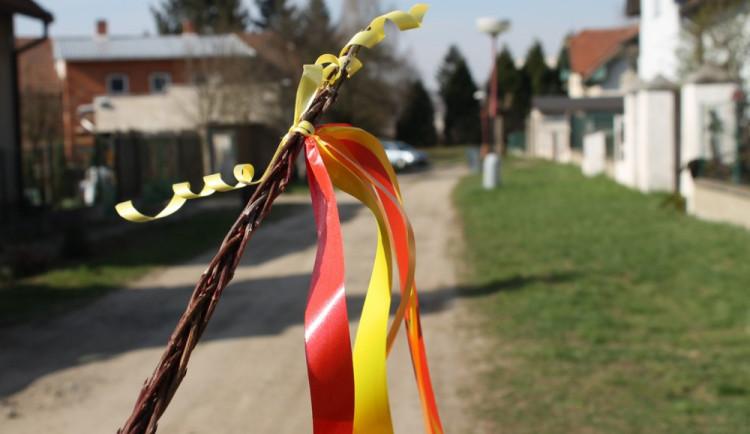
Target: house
10 155
593 65
557 125
104 64
661 33
707 95
594 61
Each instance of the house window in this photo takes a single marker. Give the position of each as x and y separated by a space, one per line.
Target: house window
159 81
117 84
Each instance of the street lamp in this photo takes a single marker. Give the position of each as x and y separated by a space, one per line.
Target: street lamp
494 27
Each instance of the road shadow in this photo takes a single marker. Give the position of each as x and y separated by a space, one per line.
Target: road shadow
515 283
145 318
294 214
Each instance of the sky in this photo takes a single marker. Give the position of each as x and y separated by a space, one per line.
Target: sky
447 22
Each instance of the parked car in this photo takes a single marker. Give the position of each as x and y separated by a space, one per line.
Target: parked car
403 155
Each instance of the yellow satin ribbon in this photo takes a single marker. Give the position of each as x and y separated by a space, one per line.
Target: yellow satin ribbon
371 406
325 71
378 190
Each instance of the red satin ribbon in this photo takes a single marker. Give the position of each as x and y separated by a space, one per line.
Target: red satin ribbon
327 341
361 155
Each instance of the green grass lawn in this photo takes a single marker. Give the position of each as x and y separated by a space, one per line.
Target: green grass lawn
612 313
122 259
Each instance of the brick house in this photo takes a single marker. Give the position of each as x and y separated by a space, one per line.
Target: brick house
105 64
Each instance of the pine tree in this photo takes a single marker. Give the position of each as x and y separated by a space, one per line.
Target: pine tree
278 16
317 34
513 92
541 77
208 16
457 88
416 123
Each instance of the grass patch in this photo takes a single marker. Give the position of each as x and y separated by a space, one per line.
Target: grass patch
613 313
121 259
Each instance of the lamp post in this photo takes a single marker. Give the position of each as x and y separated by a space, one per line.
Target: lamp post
494 27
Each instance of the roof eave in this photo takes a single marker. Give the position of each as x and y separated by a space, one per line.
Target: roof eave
633 8
30 9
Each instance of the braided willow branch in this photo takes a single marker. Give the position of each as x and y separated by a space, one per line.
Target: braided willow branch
159 389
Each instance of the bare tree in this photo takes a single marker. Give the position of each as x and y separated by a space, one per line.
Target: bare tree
717 33
231 87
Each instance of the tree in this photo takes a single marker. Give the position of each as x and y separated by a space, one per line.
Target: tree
208 16
513 92
457 88
416 123
278 16
376 92
715 33
317 34
356 14
542 78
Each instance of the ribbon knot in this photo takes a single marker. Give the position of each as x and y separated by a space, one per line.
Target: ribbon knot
303 127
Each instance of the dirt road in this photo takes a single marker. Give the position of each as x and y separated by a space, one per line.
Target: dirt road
81 372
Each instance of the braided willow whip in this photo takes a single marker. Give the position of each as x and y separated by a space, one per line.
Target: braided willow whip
159 389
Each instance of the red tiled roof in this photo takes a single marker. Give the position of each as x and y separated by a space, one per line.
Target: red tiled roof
26 7
36 67
271 48
590 49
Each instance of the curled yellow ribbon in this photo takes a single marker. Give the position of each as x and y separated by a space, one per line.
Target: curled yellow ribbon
325 71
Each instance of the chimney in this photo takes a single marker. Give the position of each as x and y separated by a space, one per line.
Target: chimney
101 27
188 27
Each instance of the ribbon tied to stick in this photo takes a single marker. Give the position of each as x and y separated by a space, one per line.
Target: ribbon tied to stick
348 386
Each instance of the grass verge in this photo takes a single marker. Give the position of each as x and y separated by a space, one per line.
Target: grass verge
122 259
612 312
448 154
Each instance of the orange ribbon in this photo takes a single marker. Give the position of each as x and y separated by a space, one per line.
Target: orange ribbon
357 164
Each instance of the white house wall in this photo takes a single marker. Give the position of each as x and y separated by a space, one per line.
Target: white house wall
179 109
175 110
625 158
594 154
659 39
611 86
549 137
656 138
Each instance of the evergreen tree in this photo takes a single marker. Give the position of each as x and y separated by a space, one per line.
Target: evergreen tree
276 15
317 34
416 123
375 94
513 92
457 88
541 77
208 16
509 78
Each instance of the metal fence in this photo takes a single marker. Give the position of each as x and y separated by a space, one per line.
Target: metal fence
145 166
585 123
47 182
724 143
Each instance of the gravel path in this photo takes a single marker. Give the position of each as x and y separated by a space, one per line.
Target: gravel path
81 372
